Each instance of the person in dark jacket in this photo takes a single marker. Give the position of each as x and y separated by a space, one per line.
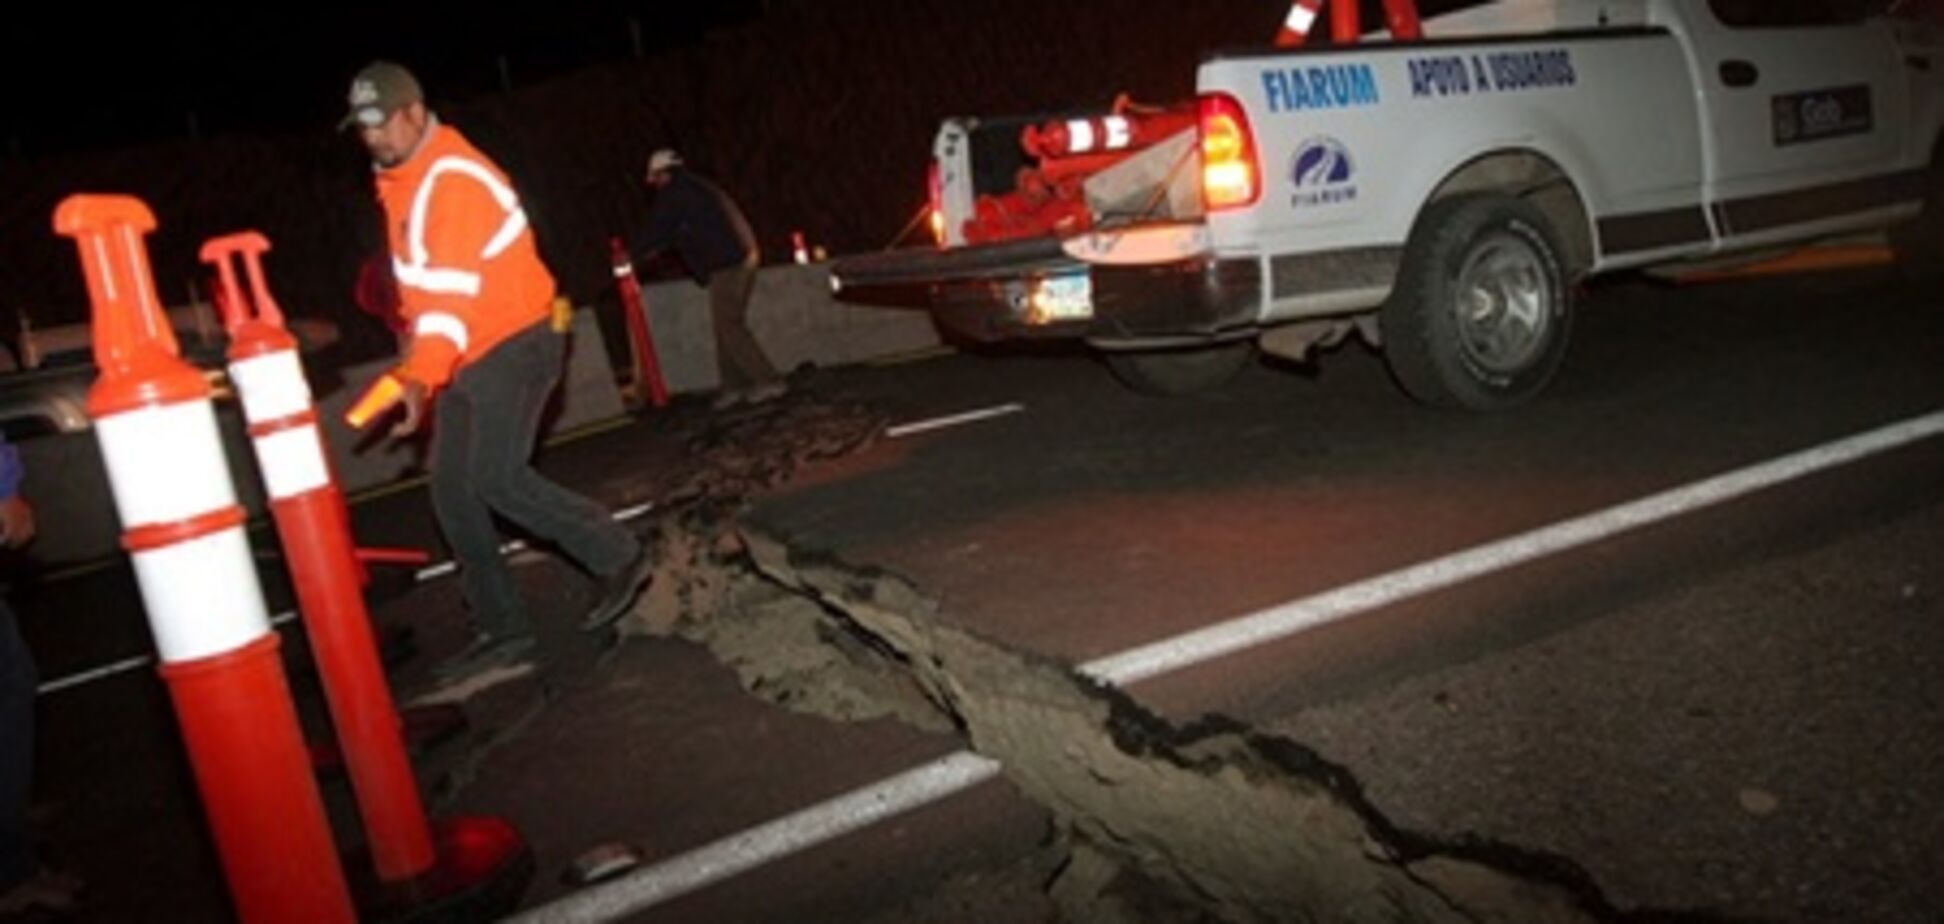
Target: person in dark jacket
704 227
26 887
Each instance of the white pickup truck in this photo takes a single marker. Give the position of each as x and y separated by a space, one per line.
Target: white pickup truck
1444 197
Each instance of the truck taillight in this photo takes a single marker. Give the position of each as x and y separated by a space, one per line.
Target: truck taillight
1231 177
935 212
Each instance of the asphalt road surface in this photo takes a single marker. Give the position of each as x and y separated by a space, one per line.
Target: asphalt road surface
1730 704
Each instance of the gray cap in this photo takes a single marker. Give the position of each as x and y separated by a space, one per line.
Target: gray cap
664 159
380 89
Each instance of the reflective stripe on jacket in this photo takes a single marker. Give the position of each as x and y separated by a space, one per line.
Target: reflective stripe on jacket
469 275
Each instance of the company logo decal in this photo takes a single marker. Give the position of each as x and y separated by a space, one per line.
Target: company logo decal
1323 173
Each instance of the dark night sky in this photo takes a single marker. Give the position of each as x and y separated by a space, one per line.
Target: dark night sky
81 78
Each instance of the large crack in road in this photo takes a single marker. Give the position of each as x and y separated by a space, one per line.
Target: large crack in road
1156 822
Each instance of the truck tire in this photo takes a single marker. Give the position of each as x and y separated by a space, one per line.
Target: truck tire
1181 371
1480 314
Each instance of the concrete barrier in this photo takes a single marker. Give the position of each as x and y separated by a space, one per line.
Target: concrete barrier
793 316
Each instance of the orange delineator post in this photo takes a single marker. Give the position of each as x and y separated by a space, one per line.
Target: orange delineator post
634 306
1402 17
385 555
1297 24
184 532
313 523
1346 23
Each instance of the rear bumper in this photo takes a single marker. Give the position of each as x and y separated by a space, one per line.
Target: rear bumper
985 293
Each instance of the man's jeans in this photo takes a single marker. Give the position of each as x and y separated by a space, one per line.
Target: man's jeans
482 441
739 358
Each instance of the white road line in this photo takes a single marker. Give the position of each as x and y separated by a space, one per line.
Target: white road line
740 853
947 776
635 512
125 665
93 674
952 420
1308 613
422 575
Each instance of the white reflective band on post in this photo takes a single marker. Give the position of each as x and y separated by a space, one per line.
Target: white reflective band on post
436 281
292 462
165 464
440 324
202 596
624 270
1119 132
272 386
1301 17
1080 135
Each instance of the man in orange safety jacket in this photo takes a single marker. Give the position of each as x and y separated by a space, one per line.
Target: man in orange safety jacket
478 302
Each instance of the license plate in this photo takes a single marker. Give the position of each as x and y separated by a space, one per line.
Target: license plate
1062 298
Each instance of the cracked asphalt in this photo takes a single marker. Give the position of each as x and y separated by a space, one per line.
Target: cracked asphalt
1733 715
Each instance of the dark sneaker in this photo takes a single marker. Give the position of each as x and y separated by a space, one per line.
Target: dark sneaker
485 653
618 592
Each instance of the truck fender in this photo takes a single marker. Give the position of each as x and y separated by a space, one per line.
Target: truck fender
1534 176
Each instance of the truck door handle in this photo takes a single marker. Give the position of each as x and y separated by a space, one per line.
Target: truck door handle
1739 73
1917 62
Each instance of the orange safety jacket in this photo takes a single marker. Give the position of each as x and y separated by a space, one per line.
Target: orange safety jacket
469 275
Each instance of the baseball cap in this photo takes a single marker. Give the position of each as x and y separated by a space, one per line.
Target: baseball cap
380 89
664 159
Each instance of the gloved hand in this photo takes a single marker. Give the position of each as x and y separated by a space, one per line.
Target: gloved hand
389 390
413 398
16 522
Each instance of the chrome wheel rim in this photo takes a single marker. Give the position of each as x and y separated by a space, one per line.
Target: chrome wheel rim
1503 305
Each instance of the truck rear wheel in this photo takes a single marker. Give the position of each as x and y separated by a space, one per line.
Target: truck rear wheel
1181 371
1481 312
